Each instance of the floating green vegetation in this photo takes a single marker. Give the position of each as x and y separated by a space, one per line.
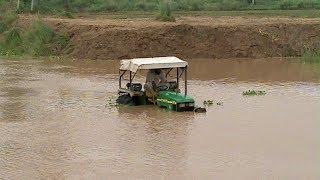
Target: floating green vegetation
111 103
253 93
211 102
36 40
208 102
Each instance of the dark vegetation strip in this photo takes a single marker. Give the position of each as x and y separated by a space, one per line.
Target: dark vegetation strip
162 9
50 6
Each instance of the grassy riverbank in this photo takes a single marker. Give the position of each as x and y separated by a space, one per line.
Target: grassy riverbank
202 29
47 6
311 57
37 39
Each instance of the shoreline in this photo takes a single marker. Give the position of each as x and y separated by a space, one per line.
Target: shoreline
188 37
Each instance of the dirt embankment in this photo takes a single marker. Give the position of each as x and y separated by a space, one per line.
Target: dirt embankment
189 37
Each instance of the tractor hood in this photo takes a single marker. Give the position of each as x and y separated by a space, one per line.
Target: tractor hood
175 97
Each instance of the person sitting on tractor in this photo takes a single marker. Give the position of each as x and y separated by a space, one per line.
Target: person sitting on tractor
154 78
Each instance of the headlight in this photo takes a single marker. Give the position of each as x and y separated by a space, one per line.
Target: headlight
182 105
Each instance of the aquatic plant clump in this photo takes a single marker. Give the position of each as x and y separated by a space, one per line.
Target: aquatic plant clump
253 93
208 102
211 102
111 103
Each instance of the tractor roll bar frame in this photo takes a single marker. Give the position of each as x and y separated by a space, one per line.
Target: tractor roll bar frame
184 71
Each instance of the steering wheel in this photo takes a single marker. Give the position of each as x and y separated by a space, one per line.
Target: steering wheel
163 87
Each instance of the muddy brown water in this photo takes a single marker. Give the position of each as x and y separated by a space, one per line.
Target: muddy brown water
55 123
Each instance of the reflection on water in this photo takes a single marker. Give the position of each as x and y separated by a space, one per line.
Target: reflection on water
54 123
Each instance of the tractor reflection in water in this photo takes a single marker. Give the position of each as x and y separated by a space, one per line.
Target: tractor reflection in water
157 90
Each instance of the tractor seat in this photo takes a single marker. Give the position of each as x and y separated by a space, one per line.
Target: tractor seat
134 86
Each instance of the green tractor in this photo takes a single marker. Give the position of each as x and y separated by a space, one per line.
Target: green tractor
175 101
168 94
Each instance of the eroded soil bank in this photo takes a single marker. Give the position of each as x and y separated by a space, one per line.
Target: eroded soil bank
188 37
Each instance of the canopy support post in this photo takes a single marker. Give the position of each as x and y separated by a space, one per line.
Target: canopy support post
168 72
185 81
130 79
178 77
134 75
120 77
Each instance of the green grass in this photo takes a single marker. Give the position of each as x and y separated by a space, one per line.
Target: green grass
165 12
36 40
311 57
66 14
6 21
13 43
10 37
255 13
75 6
299 4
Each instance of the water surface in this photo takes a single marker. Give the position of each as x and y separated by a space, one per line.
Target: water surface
55 123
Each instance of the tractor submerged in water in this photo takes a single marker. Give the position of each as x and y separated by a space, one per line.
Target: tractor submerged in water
167 94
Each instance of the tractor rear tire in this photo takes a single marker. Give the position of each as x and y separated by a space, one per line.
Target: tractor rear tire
125 99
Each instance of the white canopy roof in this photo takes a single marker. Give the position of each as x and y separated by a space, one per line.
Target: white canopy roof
152 63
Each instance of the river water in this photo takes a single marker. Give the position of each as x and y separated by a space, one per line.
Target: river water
56 123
